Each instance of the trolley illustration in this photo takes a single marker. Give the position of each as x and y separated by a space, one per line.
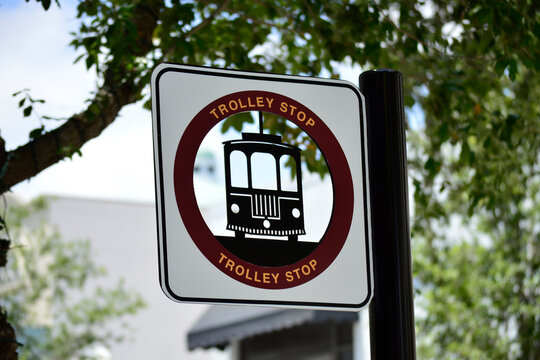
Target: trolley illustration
274 208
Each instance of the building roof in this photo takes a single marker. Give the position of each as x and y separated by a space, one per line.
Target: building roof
221 325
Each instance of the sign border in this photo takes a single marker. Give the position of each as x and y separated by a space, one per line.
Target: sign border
160 194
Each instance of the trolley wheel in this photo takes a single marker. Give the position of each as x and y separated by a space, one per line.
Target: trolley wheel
240 235
293 238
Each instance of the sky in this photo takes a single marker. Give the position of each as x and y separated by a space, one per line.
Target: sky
118 164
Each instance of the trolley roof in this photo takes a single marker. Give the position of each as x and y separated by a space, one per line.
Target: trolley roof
268 139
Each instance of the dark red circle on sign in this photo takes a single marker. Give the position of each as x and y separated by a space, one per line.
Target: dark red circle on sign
340 221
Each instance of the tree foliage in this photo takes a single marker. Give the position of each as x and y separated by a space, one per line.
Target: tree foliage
46 296
471 66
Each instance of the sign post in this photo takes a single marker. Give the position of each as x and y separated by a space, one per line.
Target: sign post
391 310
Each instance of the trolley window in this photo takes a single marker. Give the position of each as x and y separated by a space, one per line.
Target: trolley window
263 171
239 169
287 167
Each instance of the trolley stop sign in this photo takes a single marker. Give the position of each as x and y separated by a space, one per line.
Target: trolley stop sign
261 189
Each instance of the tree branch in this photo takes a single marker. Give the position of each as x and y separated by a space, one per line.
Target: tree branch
8 342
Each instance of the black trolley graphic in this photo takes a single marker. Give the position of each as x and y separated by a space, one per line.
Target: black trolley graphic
259 210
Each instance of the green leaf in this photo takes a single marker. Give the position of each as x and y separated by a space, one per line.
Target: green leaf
408 100
46 4
443 132
78 58
89 61
27 111
487 143
46 117
21 103
432 166
34 134
512 69
467 156
500 66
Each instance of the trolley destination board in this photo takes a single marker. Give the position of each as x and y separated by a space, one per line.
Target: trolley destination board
262 192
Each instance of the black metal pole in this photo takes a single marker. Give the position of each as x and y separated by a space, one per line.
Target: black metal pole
391 310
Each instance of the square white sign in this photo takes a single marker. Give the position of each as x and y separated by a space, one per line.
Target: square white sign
275 214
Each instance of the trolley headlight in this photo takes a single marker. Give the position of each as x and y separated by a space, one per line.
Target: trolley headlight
235 208
296 213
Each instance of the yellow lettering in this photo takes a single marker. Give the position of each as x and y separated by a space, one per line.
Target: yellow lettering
240 270
223 109
260 101
312 263
292 109
213 112
233 105
222 257
255 276
283 107
269 101
301 116
310 122
289 276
